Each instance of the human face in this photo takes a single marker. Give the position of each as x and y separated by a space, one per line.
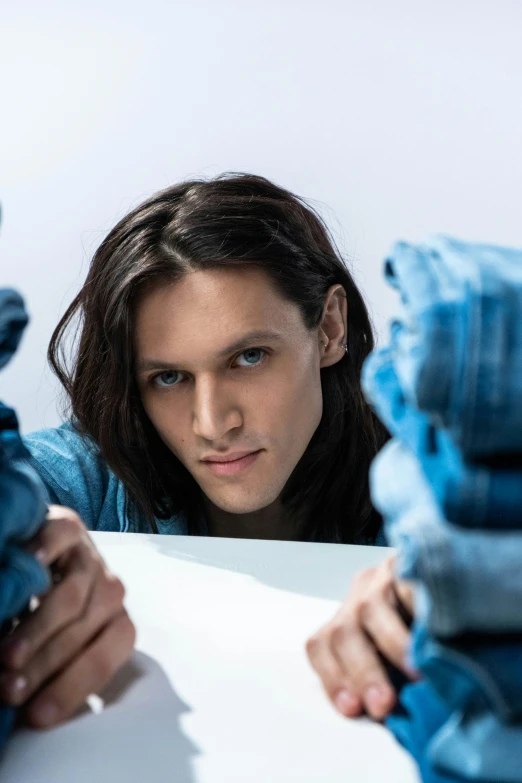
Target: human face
227 369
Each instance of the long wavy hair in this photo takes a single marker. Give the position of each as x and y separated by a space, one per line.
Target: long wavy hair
231 220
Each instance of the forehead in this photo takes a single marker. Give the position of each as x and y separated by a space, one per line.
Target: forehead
206 310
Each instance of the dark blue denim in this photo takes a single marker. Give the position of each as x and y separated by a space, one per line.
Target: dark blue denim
473 671
13 320
458 349
22 498
469 494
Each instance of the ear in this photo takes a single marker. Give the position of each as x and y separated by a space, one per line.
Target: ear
333 329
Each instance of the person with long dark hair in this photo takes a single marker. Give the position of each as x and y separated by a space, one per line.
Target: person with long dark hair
213 388
217 321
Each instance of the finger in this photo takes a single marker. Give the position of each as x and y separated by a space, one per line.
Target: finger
89 673
387 630
358 658
61 532
337 685
406 595
61 606
105 603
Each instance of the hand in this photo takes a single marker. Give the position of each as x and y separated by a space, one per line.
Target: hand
346 653
77 638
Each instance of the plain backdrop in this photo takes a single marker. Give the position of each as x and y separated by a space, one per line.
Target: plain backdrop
396 119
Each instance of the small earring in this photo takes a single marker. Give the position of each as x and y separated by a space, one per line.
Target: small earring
345 346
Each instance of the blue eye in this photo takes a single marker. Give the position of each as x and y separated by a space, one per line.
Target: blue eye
166 379
252 356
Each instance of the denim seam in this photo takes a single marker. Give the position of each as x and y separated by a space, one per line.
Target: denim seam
489 688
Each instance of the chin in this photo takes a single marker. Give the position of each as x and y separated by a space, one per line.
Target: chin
242 505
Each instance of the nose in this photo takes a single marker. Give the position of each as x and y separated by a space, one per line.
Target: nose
215 412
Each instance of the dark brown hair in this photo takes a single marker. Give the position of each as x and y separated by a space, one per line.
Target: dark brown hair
231 220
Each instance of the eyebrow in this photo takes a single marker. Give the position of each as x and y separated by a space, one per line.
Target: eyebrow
244 342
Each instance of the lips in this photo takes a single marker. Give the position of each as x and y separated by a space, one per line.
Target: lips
231 457
231 464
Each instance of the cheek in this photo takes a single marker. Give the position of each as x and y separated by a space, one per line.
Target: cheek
308 407
294 405
167 420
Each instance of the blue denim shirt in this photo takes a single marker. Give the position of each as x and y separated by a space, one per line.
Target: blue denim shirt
76 476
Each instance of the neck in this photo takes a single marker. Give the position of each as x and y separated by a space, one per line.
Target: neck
271 523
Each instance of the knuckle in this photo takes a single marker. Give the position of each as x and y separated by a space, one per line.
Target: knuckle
312 647
74 594
338 633
73 519
366 575
91 554
115 589
385 573
102 665
386 581
66 518
129 631
363 610
362 582
358 580
332 686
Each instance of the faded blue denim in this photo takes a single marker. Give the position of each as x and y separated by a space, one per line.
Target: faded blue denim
478 679
415 721
463 745
458 349
477 746
449 388
466 580
469 494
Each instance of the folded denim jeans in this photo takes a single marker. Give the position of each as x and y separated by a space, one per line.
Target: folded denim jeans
477 746
22 494
473 672
465 580
458 350
470 745
22 498
416 719
13 320
469 494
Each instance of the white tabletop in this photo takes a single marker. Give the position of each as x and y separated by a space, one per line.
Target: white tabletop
220 690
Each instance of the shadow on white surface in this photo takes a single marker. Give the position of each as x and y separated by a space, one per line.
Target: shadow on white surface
324 570
136 738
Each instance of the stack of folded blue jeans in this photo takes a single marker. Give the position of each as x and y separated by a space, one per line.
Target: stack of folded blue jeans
22 499
449 485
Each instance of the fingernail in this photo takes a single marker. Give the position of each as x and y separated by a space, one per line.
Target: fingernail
345 702
409 667
377 698
13 687
46 713
14 651
412 672
42 557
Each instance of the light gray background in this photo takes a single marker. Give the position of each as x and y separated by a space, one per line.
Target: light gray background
398 119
